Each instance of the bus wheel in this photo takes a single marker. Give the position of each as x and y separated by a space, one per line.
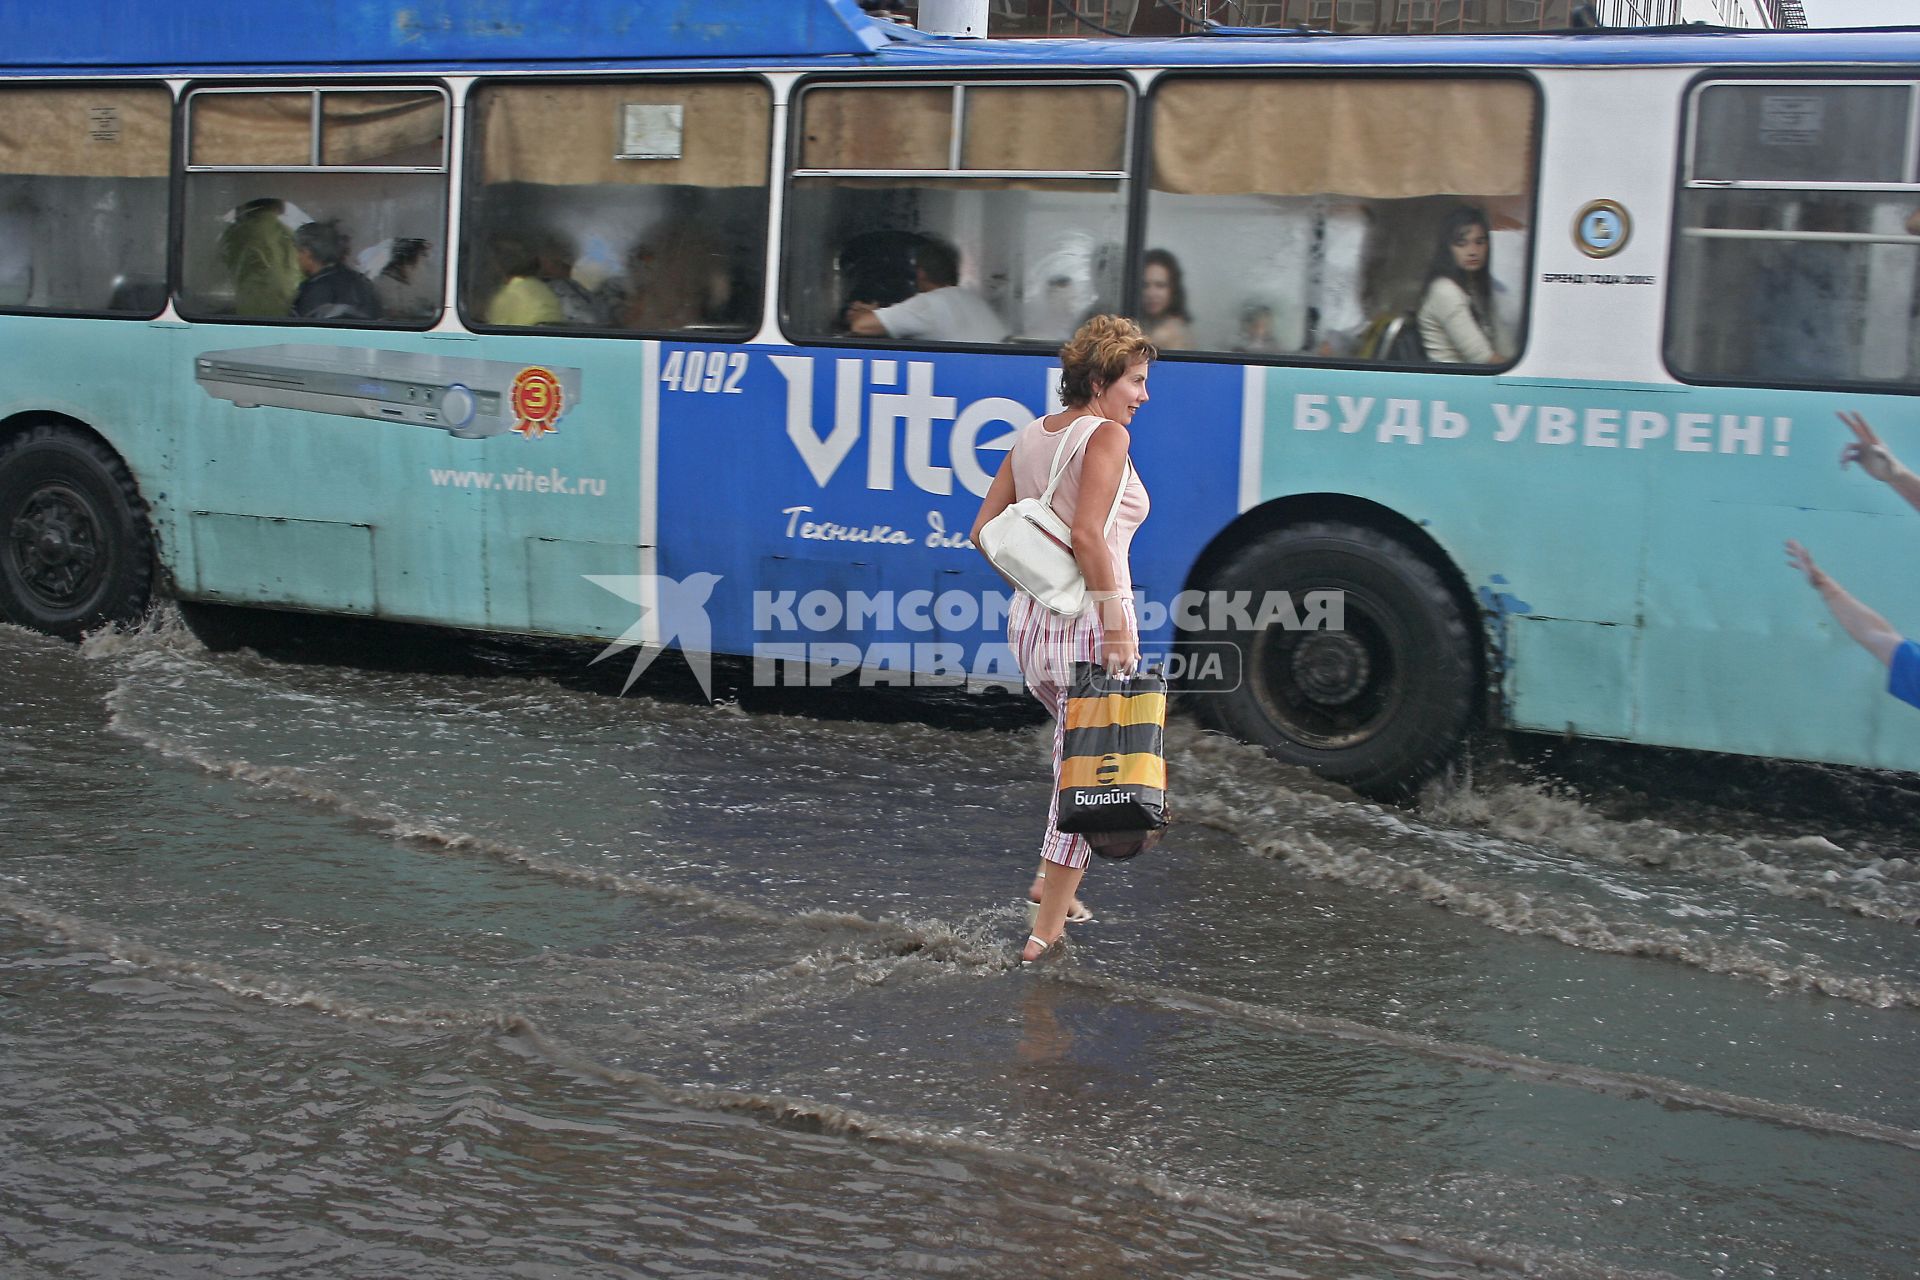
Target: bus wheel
1379 704
75 549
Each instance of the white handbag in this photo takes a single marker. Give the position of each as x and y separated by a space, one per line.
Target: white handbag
1032 546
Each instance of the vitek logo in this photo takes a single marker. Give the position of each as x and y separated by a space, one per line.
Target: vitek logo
671 612
899 424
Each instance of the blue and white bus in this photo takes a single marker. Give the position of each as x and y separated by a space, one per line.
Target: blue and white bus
512 317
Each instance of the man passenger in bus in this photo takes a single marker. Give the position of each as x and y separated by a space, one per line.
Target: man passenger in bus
1456 309
332 290
1900 655
257 251
940 310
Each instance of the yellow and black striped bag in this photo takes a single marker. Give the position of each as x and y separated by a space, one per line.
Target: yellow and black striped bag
1113 767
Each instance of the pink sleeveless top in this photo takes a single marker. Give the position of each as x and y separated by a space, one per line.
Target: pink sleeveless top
1032 457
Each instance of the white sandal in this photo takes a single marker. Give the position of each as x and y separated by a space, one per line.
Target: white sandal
1047 949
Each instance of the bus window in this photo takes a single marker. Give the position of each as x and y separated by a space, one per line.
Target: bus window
1797 257
83 198
1322 217
635 206
325 206
972 213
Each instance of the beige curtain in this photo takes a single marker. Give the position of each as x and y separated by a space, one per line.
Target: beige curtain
92 132
383 128
276 129
566 135
1074 127
250 129
1376 138
877 129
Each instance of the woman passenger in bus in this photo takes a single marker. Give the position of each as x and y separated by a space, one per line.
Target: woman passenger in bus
1456 309
524 299
1163 301
1104 382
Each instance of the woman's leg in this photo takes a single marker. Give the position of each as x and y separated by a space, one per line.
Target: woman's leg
1051 921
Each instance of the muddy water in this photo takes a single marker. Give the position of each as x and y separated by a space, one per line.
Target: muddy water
310 970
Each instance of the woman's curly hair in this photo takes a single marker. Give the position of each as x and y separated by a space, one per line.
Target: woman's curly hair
1099 353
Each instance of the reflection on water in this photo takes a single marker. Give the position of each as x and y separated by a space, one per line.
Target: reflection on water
348 972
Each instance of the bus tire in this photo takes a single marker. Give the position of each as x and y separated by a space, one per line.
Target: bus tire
76 552
1379 705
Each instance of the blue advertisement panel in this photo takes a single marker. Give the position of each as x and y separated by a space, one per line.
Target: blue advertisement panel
851 475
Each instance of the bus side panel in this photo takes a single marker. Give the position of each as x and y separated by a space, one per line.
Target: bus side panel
1546 530
843 471
1625 544
135 411
332 470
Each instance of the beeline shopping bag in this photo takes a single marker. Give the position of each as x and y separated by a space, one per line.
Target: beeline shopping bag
1113 766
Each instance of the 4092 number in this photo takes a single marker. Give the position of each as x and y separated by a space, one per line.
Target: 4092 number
714 372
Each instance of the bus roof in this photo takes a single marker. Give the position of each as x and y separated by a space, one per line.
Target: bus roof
201 36
119 34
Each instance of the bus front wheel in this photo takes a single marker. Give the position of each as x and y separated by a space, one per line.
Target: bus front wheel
76 552
1376 687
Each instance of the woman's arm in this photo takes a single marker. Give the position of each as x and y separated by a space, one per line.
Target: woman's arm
999 498
1103 468
1447 303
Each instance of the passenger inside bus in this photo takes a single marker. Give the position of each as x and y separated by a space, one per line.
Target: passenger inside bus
1457 307
940 310
391 265
257 250
679 276
1163 302
332 290
557 251
523 298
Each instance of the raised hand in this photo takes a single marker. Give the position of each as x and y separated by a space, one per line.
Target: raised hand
1866 449
1801 560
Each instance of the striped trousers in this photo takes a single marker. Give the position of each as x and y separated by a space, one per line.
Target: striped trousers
1046 645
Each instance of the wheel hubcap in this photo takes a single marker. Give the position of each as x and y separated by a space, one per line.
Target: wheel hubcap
1332 690
1331 667
56 545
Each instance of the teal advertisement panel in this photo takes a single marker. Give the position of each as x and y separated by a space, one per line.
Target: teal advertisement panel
1627 545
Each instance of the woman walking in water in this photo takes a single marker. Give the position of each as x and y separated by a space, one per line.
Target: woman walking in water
1104 382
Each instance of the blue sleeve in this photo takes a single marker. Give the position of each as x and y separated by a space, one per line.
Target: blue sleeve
1903 673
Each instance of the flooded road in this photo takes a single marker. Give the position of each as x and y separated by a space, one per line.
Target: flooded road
317 971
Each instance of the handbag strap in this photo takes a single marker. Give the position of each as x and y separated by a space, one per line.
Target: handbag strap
1063 455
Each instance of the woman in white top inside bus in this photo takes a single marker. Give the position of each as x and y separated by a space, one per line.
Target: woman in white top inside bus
1456 310
1104 382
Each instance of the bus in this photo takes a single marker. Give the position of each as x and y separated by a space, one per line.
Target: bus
542 320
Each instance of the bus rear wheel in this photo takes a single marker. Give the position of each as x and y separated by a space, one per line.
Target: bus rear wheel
1379 704
76 552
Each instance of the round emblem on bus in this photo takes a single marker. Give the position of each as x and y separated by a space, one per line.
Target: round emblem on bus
537 401
1601 228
